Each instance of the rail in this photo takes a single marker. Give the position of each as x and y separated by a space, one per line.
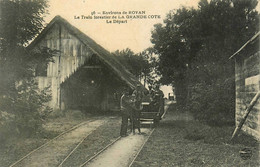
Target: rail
102 150
140 149
74 149
74 127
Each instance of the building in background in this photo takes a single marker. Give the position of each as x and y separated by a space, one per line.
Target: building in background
83 74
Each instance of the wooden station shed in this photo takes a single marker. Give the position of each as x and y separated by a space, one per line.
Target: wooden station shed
247 78
83 74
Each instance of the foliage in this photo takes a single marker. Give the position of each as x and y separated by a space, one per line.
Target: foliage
137 64
21 21
28 107
149 72
212 104
143 65
194 46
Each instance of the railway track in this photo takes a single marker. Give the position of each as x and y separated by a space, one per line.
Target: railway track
81 141
98 153
45 144
60 165
106 147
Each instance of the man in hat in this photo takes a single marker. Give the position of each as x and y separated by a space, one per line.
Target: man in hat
126 108
138 96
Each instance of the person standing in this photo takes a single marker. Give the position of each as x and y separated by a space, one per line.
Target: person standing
126 109
138 96
159 97
123 111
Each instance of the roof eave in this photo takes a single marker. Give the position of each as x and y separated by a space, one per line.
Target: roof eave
244 46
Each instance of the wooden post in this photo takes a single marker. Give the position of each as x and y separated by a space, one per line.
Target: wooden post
241 123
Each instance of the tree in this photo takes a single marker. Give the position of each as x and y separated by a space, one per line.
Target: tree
137 64
150 73
176 44
194 46
21 21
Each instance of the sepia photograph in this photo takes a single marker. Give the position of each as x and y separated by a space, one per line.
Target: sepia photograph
132 83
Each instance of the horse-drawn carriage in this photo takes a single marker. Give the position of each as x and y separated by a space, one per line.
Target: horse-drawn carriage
153 108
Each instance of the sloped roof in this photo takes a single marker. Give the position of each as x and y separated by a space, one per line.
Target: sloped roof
109 59
254 38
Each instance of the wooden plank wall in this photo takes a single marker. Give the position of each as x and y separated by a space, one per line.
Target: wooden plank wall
52 84
73 54
247 85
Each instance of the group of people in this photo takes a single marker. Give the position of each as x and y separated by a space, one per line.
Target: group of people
130 107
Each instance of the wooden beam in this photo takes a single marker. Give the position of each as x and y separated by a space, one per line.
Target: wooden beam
241 123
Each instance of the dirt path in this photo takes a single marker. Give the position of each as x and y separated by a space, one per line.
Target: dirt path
122 152
53 153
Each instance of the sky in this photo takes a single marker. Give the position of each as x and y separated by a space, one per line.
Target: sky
135 34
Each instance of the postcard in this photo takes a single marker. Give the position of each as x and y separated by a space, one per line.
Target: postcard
116 83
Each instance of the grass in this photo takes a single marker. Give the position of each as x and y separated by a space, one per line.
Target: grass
179 141
17 147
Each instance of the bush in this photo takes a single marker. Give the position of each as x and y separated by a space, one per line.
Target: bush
28 108
213 104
